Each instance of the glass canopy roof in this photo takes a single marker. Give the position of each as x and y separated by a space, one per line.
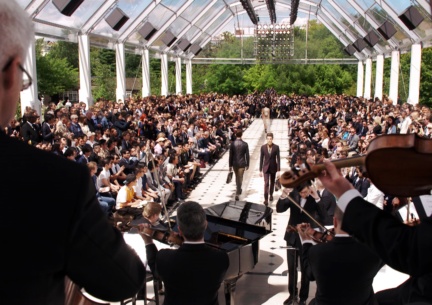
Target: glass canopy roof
197 21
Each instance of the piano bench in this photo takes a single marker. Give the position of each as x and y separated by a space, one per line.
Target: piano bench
142 295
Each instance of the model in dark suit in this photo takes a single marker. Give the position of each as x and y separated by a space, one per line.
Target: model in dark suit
331 263
239 160
269 166
193 273
302 195
404 248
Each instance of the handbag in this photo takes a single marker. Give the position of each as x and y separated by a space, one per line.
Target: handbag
229 177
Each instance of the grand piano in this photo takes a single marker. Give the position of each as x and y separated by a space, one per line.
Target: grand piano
236 227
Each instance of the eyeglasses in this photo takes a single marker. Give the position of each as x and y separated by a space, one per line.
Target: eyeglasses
27 80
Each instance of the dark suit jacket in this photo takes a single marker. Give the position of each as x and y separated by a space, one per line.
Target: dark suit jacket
30 133
270 163
362 185
192 274
343 270
406 249
239 154
129 165
328 203
297 216
71 239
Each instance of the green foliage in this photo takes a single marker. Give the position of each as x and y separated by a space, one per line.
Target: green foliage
225 79
104 78
55 74
300 79
426 78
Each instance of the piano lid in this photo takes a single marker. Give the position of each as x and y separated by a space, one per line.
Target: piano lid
244 212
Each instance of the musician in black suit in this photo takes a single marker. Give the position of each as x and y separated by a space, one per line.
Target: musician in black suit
68 233
193 273
404 248
307 198
269 166
342 268
327 202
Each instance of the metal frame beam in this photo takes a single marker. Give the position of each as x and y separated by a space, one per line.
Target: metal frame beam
35 7
360 29
138 21
343 29
213 33
209 24
94 20
392 42
169 22
390 11
338 35
188 27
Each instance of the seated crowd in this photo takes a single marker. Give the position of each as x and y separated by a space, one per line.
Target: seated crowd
138 150
339 127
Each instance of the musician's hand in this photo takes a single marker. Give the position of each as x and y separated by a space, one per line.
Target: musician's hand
332 180
142 231
301 229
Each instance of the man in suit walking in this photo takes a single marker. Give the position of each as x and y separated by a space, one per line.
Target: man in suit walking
307 198
78 241
330 264
193 273
239 160
269 166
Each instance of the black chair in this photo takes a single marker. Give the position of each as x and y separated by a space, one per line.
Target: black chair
142 295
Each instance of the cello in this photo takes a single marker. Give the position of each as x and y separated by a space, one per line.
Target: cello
398 164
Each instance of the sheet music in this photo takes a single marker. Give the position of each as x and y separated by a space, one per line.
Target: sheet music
412 212
426 201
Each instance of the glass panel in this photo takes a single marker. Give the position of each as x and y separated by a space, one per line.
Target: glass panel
23 3
160 16
45 30
213 11
51 14
203 37
342 21
194 9
219 21
178 25
132 8
349 9
365 4
380 16
425 27
340 35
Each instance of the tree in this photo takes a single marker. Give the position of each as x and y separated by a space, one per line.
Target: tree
55 75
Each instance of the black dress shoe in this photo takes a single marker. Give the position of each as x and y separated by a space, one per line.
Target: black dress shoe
302 302
288 301
266 203
236 197
271 197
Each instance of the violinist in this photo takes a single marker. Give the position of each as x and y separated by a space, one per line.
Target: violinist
342 268
405 248
307 197
193 273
